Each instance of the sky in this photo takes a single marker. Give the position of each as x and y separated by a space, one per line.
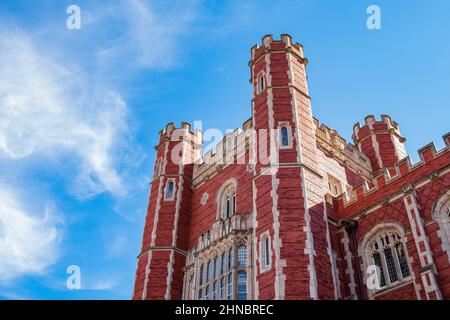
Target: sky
80 110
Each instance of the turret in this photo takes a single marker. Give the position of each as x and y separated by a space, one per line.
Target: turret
162 258
381 141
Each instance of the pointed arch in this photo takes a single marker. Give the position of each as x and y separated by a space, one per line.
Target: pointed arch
441 214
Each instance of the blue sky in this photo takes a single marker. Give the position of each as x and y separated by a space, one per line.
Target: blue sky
80 110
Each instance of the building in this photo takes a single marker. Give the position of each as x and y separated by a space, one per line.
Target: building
285 208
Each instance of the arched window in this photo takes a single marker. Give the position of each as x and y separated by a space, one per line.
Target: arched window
285 135
265 253
170 189
261 85
385 249
441 214
224 274
227 201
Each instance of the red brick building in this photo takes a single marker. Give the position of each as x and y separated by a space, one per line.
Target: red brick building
285 208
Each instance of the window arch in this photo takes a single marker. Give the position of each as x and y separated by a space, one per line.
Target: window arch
170 189
223 272
384 248
265 252
441 214
226 203
285 134
260 83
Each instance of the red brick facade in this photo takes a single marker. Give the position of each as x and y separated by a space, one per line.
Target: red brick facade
319 218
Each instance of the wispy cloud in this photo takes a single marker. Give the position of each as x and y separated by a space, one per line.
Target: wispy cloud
69 110
46 108
28 242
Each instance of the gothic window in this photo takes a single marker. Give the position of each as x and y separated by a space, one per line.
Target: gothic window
170 189
224 276
265 253
227 202
285 135
441 214
261 85
386 250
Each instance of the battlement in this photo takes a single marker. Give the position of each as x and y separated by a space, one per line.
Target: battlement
329 141
268 43
184 132
232 147
371 124
430 162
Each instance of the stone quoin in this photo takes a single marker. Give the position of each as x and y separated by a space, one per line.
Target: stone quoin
314 222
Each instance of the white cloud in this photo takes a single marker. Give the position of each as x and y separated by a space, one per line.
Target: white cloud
28 243
47 108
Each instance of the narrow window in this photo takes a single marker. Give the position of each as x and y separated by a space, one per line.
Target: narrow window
216 267
242 285
377 262
242 257
200 282
230 286
230 275
170 187
402 260
228 208
261 84
284 137
265 252
234 203
390 265
214 291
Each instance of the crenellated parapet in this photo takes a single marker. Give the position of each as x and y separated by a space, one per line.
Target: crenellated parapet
183 133
332 144
404 173
380 140
269 44
230 150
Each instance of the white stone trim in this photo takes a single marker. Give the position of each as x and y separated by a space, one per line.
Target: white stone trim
155 222
348 258
309 242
